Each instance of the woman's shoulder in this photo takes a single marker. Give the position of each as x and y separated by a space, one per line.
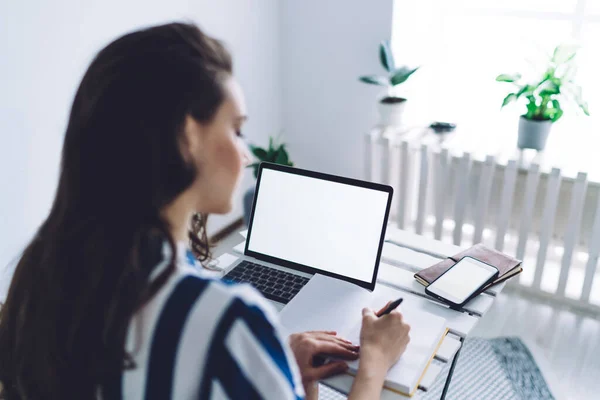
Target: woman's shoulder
217 294
211 295
231 332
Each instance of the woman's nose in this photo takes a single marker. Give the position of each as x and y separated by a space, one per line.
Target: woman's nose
246 159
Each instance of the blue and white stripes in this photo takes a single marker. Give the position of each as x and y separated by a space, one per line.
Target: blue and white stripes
199 338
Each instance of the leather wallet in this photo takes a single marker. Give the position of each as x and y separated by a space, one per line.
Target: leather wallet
507 265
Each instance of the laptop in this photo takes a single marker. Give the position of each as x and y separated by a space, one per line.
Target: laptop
305 223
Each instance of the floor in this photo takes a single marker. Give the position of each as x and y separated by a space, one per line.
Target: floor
565 343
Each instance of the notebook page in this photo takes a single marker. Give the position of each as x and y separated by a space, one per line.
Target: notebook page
324 304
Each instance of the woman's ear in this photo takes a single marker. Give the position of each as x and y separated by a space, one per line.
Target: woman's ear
190 141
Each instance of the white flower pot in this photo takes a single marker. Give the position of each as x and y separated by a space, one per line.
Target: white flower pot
390 114
533 134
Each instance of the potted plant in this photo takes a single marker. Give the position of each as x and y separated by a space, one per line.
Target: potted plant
391 106
275 153
543 97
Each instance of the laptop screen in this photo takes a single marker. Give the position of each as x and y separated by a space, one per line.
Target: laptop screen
319 223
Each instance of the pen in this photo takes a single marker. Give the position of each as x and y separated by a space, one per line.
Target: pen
393 305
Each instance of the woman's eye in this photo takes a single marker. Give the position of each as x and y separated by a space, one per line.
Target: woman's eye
239 133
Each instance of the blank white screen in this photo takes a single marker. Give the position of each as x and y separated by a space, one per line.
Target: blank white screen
462 279
325 225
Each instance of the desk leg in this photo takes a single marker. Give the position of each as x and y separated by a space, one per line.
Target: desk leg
451 372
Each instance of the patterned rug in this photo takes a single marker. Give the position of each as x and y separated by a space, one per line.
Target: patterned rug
487 369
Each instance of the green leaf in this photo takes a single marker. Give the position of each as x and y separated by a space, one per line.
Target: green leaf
549 88
564 53
375 80
386 56
259 152
541 83
576 93
508 77
549 73
547 93
509 99
526 90
556 81
276 153
401 75
282 156
532 107
557 111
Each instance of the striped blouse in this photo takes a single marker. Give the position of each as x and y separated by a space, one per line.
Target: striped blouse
200 338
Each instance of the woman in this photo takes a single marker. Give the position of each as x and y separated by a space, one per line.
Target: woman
105 301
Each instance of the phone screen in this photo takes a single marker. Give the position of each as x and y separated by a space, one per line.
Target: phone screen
462 280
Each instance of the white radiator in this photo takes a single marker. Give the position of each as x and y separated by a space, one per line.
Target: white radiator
543 218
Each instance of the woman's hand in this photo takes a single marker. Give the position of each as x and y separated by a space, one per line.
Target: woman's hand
382 342
310 349
382 339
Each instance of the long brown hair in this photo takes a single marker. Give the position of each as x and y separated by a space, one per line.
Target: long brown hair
85 273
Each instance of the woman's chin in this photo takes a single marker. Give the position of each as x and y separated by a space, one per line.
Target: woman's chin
215 206
221 209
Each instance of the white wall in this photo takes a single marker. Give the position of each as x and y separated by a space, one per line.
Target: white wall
326 46
44 50
298 62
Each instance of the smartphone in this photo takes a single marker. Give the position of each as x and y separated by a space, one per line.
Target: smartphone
462 281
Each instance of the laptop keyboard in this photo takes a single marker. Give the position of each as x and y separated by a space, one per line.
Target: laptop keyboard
274 284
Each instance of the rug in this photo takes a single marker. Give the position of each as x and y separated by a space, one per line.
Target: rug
487 369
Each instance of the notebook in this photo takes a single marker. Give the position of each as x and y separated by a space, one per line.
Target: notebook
507 265
307 311
426 336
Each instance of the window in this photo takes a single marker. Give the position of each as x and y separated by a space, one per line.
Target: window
462 45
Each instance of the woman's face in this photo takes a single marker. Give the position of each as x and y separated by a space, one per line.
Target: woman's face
219 152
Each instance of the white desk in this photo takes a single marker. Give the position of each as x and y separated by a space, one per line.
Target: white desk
400 260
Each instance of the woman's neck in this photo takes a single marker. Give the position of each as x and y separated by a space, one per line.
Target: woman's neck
178 214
